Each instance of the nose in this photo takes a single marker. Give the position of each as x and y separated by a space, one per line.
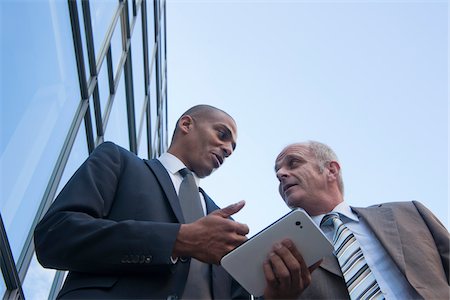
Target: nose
281 174
227 149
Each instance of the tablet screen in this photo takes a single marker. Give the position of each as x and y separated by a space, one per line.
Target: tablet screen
245 263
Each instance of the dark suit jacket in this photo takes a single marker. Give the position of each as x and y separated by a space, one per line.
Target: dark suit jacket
414 238
114 225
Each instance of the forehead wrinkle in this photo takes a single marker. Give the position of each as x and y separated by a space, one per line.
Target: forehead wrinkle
292 151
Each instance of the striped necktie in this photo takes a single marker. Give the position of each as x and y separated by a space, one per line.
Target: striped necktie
361 282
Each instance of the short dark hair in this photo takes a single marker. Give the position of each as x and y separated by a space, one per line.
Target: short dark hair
199 112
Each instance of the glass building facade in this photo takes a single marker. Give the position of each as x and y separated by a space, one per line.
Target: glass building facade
73 74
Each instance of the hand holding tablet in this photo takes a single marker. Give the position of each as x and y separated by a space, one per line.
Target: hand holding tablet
245 263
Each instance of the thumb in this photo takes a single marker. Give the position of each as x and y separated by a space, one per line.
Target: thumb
230 209
315 266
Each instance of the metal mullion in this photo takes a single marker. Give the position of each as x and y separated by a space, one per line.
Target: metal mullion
109 63
56 285
88 130
165 73
157 39
149 129
93 90
111 97
28 248
147 71
93 80
129 95
8 267
78 45
134 8
106 115
50 191
128 75
145 46
107 41
149 126
89 37
141 119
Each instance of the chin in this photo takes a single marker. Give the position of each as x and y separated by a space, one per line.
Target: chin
291 203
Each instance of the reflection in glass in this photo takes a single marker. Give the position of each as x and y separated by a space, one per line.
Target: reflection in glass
150 28
138 72
77 156
116 47
39 96
2 286
153 109
117 130
83 40
38 281
102 14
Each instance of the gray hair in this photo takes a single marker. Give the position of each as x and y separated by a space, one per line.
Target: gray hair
324 155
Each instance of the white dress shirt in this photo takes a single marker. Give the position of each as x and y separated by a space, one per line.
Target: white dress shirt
173 165
392 282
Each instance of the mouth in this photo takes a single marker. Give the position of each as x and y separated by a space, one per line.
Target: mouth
287 186
218 160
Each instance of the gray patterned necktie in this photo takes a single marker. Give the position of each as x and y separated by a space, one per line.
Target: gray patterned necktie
361 282
189 197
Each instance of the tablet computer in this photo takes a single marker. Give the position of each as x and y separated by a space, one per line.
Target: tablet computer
245 263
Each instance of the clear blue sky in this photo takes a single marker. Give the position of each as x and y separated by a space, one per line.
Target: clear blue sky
369 78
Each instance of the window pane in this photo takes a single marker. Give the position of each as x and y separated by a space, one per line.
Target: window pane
138 70
150 27
142 147
2 285
117 130
38 280
39 96
78 155
102 14
83 40
116 47
153 101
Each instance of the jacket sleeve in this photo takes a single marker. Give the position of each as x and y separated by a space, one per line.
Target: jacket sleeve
440 235
76 233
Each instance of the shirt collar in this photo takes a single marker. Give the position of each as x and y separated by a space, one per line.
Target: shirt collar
173 164
343 209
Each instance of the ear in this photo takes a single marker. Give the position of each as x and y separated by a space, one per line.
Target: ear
185 123
333 169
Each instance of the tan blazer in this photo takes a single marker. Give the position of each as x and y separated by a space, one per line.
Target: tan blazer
414 238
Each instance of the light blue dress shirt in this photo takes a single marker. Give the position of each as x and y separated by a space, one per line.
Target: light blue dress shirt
392 282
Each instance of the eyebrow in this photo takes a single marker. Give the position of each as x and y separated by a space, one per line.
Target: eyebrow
288 157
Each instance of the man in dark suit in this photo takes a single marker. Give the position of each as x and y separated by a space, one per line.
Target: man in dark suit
405 247
119 228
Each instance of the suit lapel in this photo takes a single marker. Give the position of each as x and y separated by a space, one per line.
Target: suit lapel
381 221
210 205
167 186
331 264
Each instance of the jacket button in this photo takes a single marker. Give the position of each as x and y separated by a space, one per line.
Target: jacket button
148 259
